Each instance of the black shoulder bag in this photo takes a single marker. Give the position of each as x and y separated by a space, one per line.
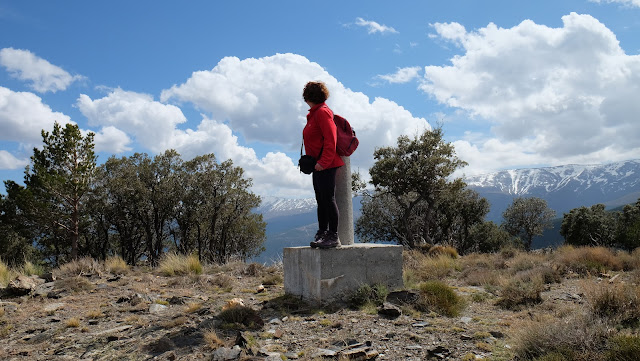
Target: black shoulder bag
307 163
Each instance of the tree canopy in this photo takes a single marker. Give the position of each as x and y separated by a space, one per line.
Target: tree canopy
526 218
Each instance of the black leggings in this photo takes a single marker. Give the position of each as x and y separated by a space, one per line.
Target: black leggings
324 184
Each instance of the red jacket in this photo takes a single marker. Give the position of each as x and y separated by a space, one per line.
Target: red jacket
320 133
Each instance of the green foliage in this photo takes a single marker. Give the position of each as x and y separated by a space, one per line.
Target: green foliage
526 218
415 201
59 179
439 297
628 227
589 226
624 348
488 237
368 294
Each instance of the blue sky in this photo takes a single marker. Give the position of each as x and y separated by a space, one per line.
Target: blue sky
513 83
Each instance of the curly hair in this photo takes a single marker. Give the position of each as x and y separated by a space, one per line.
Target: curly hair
315 92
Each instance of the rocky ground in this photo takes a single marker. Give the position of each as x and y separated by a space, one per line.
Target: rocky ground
142 315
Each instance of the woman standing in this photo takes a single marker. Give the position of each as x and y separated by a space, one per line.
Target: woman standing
320 137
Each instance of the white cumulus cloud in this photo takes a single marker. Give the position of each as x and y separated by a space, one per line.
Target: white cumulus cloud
23 116
41 75
112 140
555 94
373 27
151 123
402 75
9 161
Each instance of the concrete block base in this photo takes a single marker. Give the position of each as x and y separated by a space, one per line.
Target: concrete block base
328 275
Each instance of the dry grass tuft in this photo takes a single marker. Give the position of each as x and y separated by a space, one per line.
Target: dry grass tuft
175 264
193 307
438 297
419 267
587 260
95 314
30 269
72 322
81 266
577 338
74 284
619 303
239 316
212 340
254 269
443 250
522 290
6 274
272 280
116 265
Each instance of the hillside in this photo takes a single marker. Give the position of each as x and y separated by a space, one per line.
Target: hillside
92 312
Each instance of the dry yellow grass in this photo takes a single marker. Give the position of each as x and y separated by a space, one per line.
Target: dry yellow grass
95 314
81 266
175 264
193 307
72 322
443 250
212 340
116 265
419 267
587 260
6 274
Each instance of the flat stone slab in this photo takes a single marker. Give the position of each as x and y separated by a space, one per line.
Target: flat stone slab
328 275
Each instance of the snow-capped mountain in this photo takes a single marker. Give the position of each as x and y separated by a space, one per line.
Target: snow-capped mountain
563 187
276 207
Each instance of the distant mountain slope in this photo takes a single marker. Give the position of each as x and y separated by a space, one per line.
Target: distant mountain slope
563 187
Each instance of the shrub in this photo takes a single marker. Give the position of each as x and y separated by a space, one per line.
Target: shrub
587 260
619 303
175 264
81 266
624 348
241 315
576 338
212 340
438 250
439 297
522 290
116 265
30 269
74 284
424 268
272 279
480 277
367 294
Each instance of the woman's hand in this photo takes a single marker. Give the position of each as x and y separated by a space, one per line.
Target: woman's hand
318 167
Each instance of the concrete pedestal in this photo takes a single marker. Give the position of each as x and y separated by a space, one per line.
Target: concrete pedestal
328 275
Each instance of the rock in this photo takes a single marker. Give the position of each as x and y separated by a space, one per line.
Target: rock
113 330
389 310
439 352
156 308
9 307
234 302
48 277
226 354
44 290
23 285
323 352
52 307
497 334
162 345
466 320
401 298
420 324
291 355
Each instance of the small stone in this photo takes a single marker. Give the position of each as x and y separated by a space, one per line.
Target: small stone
323 352
52 307
156 308
226 354
466 320
389 310
497 334
420 324
414 347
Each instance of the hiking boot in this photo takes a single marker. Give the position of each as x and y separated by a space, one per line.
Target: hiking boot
330 240
317 238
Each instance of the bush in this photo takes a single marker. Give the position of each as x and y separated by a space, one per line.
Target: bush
81 266
439 297
624 348
577 338
419 267
176 264
587 260
522 290
30 269
367 294
619 303
443 250
238 316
